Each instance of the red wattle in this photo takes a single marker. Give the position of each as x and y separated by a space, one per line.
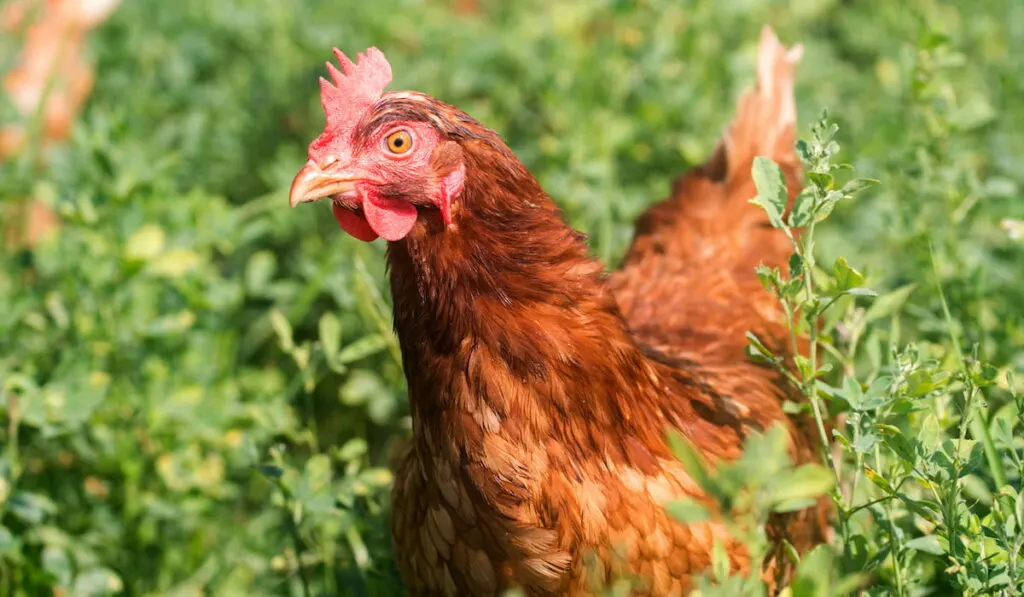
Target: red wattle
353 223
391 219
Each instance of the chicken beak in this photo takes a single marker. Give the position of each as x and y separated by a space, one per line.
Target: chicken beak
313 183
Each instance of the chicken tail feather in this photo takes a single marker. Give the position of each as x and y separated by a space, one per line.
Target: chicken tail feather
765 123
708 230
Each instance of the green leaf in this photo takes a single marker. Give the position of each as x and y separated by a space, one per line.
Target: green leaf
31 508
764 455
9 544
800 215
376 477
90 393
330 336
259 272
57 563
852 392
954 448
842 439
1018 505
927 544
861 292
362 348
889 303
688 454
720 563
687 511
771 189
814 573
796 265
768 276
353 449
822 180
878 480
803 149
846 277
359 550
97 581
145 244
850 584
793 505
758 347
806 482
803 365
924 381
923 508
857 185
825 206
1001 430
865 443
791 289
316 474
361 387
57 309
983 375
175 263
283 329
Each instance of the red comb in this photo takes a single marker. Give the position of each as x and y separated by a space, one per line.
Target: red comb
356 87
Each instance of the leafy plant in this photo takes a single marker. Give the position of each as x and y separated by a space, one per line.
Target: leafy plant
924 473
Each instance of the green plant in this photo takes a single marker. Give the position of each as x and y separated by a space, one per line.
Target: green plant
920 472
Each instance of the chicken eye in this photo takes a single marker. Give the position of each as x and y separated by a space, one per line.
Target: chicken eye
399 142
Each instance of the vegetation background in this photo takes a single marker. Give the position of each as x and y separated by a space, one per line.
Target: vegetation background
199 388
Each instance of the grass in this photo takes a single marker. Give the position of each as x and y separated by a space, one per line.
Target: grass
199 387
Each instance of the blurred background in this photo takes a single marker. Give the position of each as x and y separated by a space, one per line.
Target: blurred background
199 388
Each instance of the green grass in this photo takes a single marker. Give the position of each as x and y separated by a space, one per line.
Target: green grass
199 388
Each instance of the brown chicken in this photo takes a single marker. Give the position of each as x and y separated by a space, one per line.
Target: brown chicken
540 388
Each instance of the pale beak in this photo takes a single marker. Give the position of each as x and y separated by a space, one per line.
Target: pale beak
313 183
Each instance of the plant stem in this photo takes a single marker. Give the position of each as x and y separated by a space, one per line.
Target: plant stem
978 427
293 530
860 462
13 416
895 548
13 454
865 505
810 388
379 310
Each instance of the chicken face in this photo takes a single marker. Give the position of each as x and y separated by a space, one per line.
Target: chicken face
379 161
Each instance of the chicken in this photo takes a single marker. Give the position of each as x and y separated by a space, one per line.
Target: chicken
50 80
541 388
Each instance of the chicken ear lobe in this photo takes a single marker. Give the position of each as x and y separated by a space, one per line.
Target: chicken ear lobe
448 163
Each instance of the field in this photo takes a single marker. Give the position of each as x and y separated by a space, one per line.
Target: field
200 389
